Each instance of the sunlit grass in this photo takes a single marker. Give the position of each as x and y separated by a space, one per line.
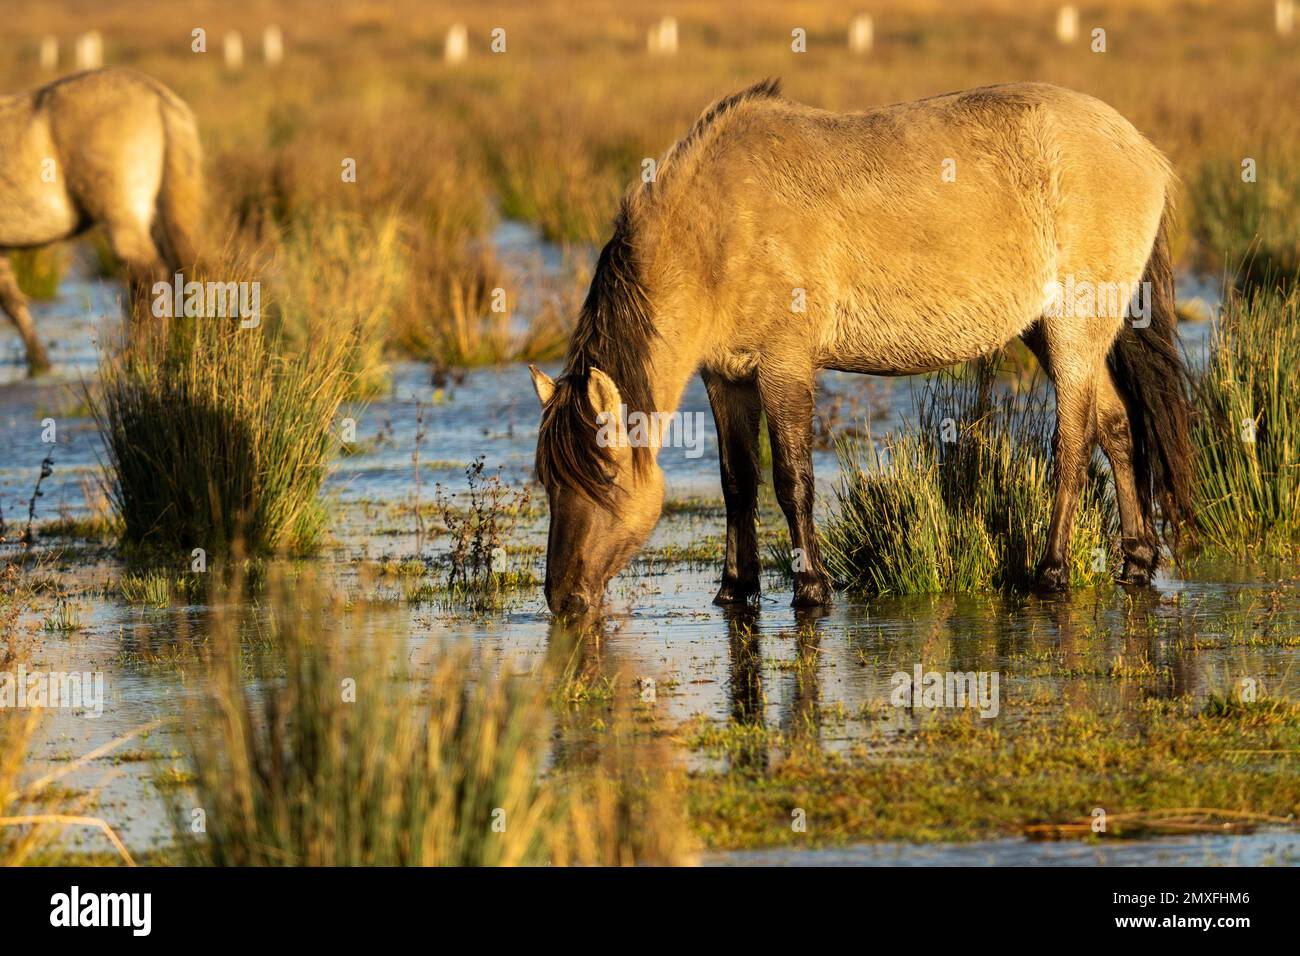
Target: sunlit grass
65 616
213 434
340 275
1246 215
349 755
150 589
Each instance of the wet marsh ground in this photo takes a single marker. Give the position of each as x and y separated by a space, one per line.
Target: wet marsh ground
1125 700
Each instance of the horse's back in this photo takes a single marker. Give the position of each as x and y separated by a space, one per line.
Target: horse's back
921 233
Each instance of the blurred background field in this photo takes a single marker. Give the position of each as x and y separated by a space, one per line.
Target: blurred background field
552 130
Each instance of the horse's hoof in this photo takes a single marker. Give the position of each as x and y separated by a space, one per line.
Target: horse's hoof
736 592
1135 575
813 593
1051 579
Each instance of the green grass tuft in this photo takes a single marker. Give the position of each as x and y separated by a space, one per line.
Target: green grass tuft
148 589
922 514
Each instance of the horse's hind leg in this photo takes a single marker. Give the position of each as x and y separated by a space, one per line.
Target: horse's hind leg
787 397
1076 399
1138 537
14 303
736 411
1074 372
1116 438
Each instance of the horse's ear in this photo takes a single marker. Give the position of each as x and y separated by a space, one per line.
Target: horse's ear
603 393
543 383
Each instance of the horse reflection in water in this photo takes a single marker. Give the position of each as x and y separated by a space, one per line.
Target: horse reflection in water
800 719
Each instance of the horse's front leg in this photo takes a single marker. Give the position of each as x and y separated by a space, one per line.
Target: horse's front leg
736 411
787 397
14 303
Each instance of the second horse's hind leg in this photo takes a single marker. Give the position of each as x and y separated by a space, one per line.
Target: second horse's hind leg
133 244
14 303
736 412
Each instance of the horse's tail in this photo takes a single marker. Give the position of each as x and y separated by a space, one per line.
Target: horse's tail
180 197
1149 369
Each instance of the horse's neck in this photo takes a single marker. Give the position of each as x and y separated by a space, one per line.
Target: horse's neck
677 349
672 367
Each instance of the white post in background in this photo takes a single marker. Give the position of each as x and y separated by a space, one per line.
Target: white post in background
49 53
90 51
456 49
1284 16
861 34
272 45
1067 24
232 48
662 38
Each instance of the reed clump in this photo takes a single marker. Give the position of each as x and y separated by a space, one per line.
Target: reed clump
961 501
216 433
1247 432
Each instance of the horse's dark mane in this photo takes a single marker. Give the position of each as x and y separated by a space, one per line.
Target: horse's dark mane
614 334
615 330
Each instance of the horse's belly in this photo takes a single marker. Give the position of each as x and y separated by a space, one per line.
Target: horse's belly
935 303
906 340
37 217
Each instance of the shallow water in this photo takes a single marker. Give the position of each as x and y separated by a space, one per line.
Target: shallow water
663 625
1257 849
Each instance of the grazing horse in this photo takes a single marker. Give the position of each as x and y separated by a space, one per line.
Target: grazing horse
106 147
778 239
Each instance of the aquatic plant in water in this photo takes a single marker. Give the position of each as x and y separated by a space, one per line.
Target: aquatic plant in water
476 559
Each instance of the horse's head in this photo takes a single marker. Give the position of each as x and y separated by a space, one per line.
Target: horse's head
605 494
